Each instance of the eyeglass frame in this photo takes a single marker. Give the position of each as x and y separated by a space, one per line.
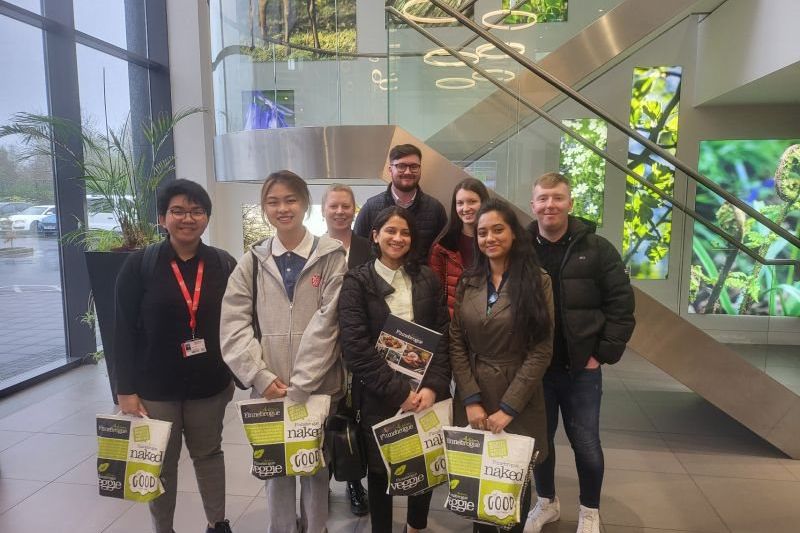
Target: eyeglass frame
194 213
398 167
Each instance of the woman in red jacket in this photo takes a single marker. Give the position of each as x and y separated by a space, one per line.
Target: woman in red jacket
453 250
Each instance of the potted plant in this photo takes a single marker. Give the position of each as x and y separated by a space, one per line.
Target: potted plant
121 180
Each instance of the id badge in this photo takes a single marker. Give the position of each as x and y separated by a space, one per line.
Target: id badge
193 347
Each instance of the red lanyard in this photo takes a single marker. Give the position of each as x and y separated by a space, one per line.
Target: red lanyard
191 303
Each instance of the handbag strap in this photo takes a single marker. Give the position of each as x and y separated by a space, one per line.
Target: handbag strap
256 326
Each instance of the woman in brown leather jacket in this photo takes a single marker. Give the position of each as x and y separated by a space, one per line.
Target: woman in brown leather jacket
501 334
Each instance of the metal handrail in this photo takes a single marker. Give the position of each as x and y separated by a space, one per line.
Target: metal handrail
602 153
566 89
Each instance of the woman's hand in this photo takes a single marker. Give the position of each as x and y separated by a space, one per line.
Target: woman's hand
411 402
130 404
277 389
426 398
476 415
498 421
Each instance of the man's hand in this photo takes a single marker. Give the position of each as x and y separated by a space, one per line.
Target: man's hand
426 398
277 389
130 404
476 415
592 363
498 421
411 403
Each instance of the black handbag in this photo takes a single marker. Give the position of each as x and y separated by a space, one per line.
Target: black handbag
344 448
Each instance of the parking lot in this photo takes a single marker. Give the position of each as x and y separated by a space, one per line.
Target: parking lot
31 310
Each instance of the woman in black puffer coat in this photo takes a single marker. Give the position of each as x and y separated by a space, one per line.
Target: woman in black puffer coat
394 283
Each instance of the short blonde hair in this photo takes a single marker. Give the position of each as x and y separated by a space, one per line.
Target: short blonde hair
338 187
550 180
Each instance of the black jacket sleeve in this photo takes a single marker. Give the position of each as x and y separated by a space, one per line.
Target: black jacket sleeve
129 290
358 346
438 374
618 305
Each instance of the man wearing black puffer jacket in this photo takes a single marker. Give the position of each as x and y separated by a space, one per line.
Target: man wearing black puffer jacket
594 306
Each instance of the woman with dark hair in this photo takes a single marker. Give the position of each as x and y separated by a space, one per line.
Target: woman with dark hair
393 283
454 249
501 334
167 350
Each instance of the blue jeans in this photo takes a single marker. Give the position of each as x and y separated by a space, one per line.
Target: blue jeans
578 397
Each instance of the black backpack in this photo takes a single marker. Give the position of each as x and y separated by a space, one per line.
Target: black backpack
148 268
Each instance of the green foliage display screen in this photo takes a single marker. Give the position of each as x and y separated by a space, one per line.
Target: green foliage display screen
545 10
766 175
647 226
585 169
309 25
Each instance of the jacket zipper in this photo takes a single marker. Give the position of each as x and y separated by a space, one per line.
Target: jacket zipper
306 267
561 288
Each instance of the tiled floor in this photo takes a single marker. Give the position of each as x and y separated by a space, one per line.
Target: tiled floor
673 463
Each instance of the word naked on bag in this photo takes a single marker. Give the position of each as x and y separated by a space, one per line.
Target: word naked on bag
130 452
286 437
487 473
412 448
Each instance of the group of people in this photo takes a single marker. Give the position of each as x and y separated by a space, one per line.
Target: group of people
526 315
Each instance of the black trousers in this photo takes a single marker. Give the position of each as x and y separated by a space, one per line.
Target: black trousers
380 505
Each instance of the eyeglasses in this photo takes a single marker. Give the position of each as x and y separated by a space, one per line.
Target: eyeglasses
197 212
402 167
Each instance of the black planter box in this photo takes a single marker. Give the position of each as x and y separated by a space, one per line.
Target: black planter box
103 268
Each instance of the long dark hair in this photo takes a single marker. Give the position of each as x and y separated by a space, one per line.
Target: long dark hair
411 263
524 284
449 235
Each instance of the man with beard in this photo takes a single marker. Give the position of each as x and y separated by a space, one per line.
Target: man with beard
405 167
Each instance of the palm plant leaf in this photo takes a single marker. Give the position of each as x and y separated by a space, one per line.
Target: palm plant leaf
121 179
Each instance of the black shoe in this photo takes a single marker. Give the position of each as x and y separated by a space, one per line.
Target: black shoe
359 505
220 527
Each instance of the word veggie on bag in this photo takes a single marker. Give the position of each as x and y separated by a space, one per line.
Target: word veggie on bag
487 474
286 437
412 448
130 453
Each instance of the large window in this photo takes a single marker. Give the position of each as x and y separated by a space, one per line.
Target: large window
31 310
101 76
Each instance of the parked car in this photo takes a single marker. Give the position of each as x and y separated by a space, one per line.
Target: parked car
48 226
12 208
29 218
102 219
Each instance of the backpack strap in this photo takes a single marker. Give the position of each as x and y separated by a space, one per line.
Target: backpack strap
149 260
256 326
228 263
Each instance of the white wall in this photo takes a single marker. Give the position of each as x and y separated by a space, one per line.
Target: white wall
743 41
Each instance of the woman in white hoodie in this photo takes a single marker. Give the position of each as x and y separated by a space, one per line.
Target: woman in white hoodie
299 277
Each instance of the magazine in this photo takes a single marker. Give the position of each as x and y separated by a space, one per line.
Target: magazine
407 347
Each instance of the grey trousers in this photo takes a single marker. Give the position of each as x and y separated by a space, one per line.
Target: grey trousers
281 497
200 422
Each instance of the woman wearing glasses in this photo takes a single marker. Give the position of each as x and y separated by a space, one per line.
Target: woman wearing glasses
166 347
393 283
453 250
501 334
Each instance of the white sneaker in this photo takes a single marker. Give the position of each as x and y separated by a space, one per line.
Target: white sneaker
544 512
588 520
